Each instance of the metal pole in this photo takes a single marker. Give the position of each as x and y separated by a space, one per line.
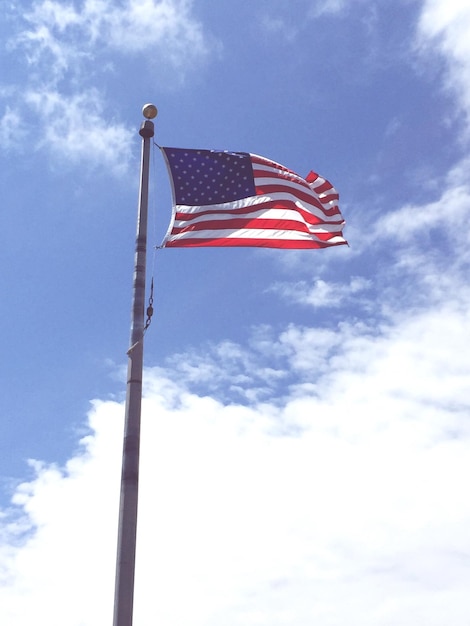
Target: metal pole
125 561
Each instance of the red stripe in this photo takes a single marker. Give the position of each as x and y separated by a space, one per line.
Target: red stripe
282 176
259 160
255 243
291 188
305 197
326 186
332 197
312 177
309 198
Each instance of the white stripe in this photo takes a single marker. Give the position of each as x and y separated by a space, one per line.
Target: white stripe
269 214
269 164
255 200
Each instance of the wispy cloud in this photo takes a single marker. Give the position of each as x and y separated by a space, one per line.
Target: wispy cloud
75 129
411 222
321 294
10 128
443 28
67 49
430 241
229 370
327 7
70 33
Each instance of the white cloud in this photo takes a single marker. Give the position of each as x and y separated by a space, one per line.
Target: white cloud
268 513
444 26
70 515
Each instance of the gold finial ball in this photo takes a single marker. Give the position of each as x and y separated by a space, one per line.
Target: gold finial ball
149 111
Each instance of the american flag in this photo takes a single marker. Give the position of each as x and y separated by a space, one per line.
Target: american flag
223 198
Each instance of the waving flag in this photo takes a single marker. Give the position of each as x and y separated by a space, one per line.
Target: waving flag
223 198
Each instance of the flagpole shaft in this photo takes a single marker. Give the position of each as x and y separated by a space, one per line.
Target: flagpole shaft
127 529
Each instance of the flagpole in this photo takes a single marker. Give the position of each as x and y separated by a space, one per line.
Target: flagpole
127 529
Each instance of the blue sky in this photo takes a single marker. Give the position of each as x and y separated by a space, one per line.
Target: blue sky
306 438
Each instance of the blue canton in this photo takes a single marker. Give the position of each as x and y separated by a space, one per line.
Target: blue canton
202 177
